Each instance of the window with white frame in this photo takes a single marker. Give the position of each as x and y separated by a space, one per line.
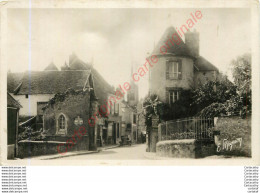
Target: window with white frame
173 69
173 96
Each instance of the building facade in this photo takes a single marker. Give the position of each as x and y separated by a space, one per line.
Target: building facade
66 114
179 67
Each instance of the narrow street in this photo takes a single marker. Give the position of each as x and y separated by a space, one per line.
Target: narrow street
120 153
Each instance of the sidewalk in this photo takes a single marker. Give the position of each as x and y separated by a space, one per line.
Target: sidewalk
72 153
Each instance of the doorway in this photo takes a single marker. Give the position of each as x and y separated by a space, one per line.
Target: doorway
114 133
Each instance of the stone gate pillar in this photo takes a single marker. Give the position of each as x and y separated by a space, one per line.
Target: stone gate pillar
153 134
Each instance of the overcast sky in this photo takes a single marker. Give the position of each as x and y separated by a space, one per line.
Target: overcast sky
116 38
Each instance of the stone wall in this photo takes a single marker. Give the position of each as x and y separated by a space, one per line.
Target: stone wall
73 105
185 148
176 148
36 148
204 148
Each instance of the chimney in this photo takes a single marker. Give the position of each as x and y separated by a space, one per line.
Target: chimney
192 41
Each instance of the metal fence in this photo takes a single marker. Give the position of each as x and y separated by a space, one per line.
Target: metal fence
188 128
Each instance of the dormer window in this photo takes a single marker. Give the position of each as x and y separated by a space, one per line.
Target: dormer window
173 69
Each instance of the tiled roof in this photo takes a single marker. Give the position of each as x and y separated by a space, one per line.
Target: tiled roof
13 80
11 102
178 50
51 82
204 65
51 66
182 50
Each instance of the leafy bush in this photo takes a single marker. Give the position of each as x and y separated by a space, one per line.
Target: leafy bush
30 134
218 91
213 110
180 109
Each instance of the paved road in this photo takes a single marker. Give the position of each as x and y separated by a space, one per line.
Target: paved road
134 152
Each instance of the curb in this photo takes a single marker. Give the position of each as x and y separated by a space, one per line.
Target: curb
105 148
76 154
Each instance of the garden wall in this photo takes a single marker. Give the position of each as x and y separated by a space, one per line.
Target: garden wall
176 148
232 131
28 148
185 148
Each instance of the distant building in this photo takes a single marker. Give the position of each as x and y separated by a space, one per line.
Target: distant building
108 122
132 94
13 108
179 66
129 121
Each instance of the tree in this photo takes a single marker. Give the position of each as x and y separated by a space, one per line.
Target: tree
241 71
218 91
179 109
228 99
150 106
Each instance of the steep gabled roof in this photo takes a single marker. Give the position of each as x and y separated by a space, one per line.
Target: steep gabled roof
204 65
178 50
102 88
13 80
11 102
51 67
52 82
65 67
182 49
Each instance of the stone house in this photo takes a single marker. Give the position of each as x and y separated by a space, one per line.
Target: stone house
179 66
67 112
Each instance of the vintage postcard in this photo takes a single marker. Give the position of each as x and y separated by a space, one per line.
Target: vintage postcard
129 83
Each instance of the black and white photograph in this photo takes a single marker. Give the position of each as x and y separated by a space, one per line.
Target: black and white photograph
129 84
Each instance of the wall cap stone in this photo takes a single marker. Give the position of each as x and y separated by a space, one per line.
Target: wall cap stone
176 142
28 141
